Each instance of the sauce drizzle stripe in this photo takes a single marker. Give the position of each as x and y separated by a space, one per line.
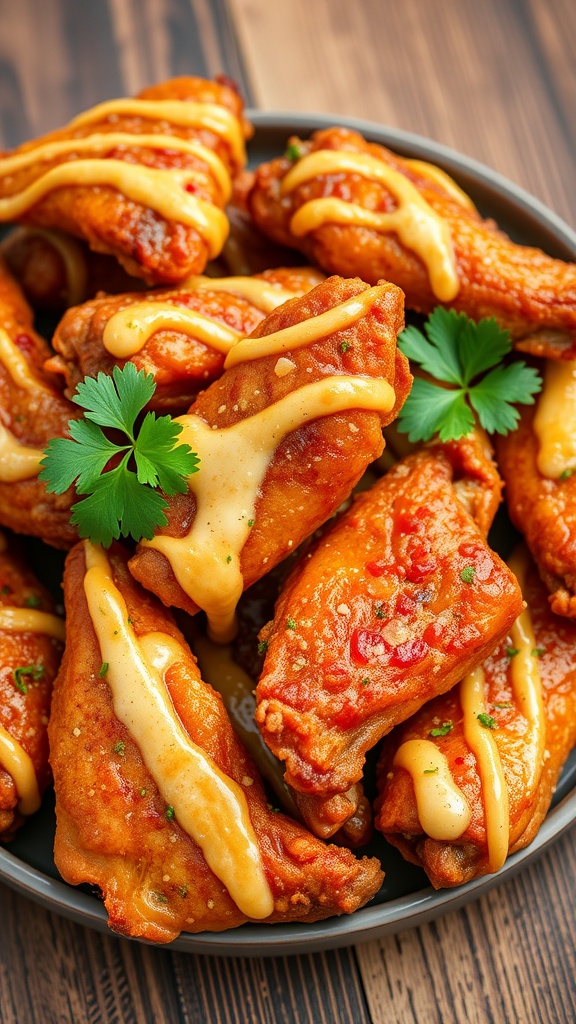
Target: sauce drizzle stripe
555 419
30 620
18 764
208 805
130 329
443 810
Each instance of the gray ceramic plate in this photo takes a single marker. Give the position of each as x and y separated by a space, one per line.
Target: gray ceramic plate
405 898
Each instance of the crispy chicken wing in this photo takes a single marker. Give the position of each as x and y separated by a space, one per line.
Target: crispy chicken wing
144 180
355 208
390 607
31 643
32 411
530 742
127 808
181 336
283 436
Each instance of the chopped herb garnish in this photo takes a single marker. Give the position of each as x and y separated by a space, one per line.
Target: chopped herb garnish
504 704
442 730
170 812
119 748
262 647
511 652
33 601
123 500
160 897
251 522
228 559
459 352
537 652
36 671
103 669
293 152
6 590
365 681
290 623
430 771
183 890
143 791
566 474
344 345
487 721
467 574
379 612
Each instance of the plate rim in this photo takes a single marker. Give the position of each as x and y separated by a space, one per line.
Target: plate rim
416 908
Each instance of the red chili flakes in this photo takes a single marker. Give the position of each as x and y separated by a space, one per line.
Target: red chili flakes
459 760
24 342
366 644
433 634
407 523
377 568
405 605
190 187
409 653
421 568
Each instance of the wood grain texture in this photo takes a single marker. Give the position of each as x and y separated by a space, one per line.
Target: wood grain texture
495 79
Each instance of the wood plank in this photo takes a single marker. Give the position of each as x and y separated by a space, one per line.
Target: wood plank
509 957
468 78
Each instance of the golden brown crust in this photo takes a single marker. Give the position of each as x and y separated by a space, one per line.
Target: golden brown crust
181 364
145 243
528 292
544 510
111 834
33 416
450 864
24 715
376 618
316 466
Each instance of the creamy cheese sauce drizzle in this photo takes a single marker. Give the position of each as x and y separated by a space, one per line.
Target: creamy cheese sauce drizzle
308 331
130 329
443 810
417 225
233 464
160 190
209 806
107 141
494 789
179 113
18 764
17 461
30 620
527 682
439 177
262 294
18 366
555 419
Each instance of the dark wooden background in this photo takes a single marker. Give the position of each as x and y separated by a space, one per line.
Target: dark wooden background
495 79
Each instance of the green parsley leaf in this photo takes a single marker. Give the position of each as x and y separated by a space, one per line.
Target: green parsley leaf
487 721
537 652
456 350
293 152
122 501
36 671
504 704
566 474
262 647
511 652
119 748
467 574
430 771
103 669
290 623
442 730
33 601
170 812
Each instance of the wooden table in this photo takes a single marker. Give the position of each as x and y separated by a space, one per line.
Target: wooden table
495 79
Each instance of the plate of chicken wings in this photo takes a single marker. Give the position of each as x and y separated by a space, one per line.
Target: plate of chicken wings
288 572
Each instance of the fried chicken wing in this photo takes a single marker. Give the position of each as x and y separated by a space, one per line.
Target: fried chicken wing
390 607
537 462
181 336
144 180
56 270
31 643
32 410
157 802
356 208
458 804
283 436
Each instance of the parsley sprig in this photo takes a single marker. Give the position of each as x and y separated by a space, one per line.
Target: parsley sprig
125 499
467 356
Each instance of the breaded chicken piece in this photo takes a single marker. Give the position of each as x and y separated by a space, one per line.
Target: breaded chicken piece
184 356
529 293
544 510
56 270
312 459
143 180
390 607
31 644
529 786
32 410
115 827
